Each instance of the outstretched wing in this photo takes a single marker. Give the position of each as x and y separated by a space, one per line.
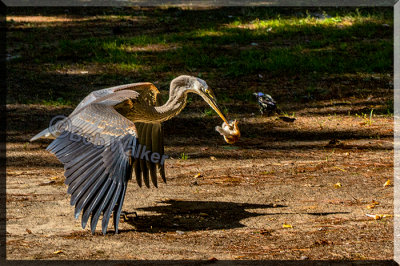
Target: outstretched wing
149 134
97 148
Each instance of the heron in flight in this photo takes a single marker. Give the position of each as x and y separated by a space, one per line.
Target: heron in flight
129 115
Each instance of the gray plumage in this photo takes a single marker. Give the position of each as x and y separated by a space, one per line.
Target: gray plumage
98 141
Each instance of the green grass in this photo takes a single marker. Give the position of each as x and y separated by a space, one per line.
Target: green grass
57 102
339 51
184 157
209 111
335 45
217 44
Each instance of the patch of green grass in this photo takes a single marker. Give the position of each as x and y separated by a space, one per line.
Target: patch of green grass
58 102
284 113
224 98
184 156
209 112
219 44
332 45
367 117
225 110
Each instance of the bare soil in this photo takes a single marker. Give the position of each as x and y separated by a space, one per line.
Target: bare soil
270 196
285 191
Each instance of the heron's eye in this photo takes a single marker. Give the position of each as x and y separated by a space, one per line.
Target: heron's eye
209 93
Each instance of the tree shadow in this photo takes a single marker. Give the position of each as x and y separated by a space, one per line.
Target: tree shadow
25 122
193 54
182 215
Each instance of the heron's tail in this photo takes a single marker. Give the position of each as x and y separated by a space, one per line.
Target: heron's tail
45 133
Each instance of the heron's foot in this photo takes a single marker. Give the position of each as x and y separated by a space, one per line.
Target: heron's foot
125 215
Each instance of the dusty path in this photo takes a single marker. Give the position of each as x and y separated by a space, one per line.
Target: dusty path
279 173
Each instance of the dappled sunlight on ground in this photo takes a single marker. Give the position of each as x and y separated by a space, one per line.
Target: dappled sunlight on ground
306 189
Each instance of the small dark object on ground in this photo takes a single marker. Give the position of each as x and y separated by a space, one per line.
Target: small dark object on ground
287 119
334 142
126 218
266 103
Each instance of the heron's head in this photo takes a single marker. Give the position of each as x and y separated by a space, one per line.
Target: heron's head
200 87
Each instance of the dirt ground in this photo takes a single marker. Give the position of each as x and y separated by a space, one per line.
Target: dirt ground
270 196
306 190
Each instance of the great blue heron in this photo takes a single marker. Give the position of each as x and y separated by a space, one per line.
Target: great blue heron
96 172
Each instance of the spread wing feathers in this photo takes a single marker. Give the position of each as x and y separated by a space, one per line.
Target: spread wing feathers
101 94
96 149
151 136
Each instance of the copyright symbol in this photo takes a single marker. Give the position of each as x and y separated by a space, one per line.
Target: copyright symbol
59 125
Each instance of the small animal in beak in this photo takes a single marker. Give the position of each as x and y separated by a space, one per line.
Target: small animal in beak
230 131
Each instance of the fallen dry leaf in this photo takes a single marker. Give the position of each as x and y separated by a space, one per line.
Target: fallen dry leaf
47 183
213 158
340 169
379 216
375 202
267 173
387 183
58 252
287 225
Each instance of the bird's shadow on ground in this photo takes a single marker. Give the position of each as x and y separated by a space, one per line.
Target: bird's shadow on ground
180 215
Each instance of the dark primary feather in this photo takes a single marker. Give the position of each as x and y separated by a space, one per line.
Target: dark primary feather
97 174
97 182
151 137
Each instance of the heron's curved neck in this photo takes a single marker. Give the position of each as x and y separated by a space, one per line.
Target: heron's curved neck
174 105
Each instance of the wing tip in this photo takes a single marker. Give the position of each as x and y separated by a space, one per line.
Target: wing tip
44 133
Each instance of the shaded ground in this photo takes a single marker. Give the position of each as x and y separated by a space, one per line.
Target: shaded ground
236 209
278 174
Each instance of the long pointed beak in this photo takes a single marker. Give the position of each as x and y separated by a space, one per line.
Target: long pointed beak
214 106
